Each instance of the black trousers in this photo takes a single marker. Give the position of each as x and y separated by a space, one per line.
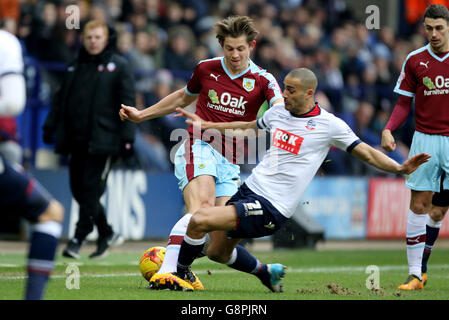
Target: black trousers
88 175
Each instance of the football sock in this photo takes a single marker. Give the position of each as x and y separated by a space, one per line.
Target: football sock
244 261
416 237
432 230
169 265
190 249
43 244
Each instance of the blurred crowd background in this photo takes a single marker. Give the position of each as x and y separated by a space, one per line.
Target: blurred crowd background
357 68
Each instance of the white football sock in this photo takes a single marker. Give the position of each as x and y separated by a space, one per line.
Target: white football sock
177 233
233 257
416 239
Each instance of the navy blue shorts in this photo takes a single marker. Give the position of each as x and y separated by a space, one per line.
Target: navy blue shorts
256 216
21 194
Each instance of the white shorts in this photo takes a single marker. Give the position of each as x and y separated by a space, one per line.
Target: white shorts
201 159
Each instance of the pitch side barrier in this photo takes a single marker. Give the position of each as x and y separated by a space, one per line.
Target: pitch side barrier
142 205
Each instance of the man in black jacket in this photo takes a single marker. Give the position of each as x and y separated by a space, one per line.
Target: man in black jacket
83 124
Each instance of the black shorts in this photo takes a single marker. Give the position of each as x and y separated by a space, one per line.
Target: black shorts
21 194
441 199
256 216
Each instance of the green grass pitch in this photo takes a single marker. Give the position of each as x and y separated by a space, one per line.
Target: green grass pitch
311 275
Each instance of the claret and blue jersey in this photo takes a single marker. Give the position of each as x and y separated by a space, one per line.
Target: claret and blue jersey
223 97
425 77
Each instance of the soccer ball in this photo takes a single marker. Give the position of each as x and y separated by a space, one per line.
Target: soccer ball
151 261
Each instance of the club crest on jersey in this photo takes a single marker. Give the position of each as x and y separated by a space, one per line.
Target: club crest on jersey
248 84
311 124
287 141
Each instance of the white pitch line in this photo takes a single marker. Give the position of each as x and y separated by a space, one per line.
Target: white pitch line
289 270
77 263
60 276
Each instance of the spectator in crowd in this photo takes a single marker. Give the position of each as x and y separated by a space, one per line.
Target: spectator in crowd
266 56
125 43
179 51
151 154
156 45
141 62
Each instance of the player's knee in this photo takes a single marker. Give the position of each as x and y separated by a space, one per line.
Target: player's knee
206 203
217 255
54 212
220 251
199 222
437 213
420 207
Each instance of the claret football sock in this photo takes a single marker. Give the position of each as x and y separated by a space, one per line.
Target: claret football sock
432 230
190 249
43 244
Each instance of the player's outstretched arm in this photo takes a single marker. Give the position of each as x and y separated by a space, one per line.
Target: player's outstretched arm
381 161
239 128
167 105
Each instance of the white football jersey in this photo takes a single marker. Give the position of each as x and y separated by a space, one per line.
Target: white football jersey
11 60
299 145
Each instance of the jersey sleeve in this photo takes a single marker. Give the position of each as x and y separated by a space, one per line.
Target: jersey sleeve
342 136
406 84
270 88
400 113
193 86
264 122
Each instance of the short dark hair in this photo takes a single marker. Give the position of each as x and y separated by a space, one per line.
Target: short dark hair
236 26
306 76
436 11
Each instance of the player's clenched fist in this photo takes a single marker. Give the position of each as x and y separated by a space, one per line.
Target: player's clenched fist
130 113
388 142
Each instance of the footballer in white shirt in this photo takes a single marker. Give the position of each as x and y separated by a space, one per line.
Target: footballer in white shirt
301 135
19 193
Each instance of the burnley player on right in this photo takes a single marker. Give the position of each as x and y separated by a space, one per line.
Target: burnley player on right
425 77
